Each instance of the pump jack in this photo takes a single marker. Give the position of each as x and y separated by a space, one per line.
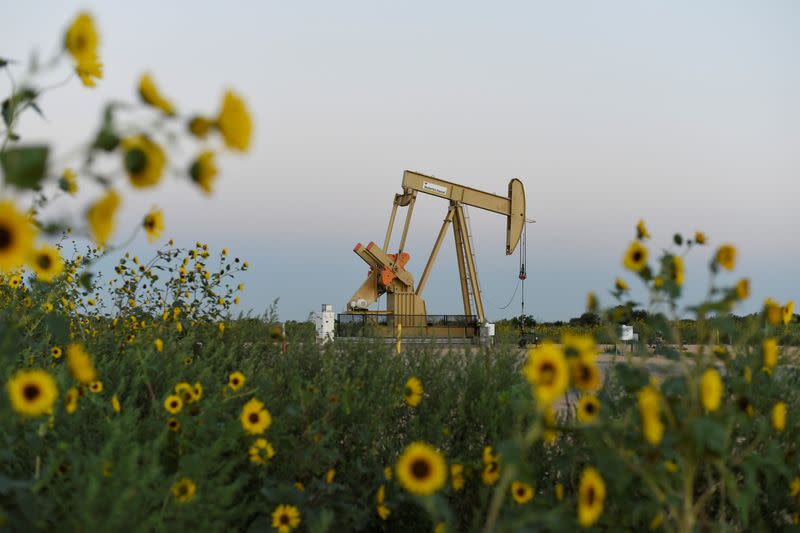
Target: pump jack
388 274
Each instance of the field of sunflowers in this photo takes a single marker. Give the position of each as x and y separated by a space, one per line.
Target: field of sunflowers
141 402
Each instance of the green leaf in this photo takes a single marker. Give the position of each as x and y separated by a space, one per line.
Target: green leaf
25 167
86 280
58 327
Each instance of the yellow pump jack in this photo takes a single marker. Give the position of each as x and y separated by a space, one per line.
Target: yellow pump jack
387 273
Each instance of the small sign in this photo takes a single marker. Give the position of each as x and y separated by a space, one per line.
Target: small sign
626 333
428 186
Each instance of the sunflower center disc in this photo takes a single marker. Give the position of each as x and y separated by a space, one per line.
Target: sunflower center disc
5 238
420 468
31 392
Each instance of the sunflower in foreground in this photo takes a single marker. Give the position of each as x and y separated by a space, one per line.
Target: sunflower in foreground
32 392
547 370
413 394
285 518
261 451
153 224
17 234
173 404
184 490
591 495
234 122
588 408
711 389
636 257
101 217
726 256
144 161
650 413
46 262
203 171
521 492
80 364
421 469
255 417
586 376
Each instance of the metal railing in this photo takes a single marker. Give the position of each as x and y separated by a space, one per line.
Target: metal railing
374 325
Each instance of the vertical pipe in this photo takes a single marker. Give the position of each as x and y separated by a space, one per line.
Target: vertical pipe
462 269
391 223
473 271
408 221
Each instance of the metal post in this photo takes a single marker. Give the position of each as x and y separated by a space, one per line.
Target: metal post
426 272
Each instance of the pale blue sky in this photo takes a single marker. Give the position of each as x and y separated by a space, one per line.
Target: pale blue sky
684 113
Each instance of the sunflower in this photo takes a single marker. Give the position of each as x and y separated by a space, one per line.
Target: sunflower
71 400
547 369
329 475
677 270
47 263
649 400
641 231
772 311
173 404
261 451
234 122
69 182
236 380
144 161
96 386
255 417
779 416
585 375
770 353
184 490
203 171
199 126
285 518
17 234
55 351
413 394
88 69
726 256
151 95
491 467
197 392
32 392
787 312
635 257
153 224
711 390
620 284
549 435
421 469
591 302
699 237
591 495
174 425
588 408
115 404
82 39
794 488
381 508
185 391
14 282
521 492
80 364
456 476
582 346
742 289
101 217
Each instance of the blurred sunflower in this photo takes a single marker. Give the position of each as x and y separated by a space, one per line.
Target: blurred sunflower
184 490
81 41
491 467
236 380
174 425
55 351
203 171
778 416
773 311
199 126
582 346
185 391
234 122
787 312
521 492
89 69
115 404
636 257
80 364
421 469
96 386
586 376
620 284
173 404
152 96
546 369
255 417
46 262
456 476
285 518
726 256
591 496
711 389
742 289
588 408
144 161
769 348
413 394
261 451
649 400
699 237
153 224
101 217
32 392
69 182
677 270
380 507
641 231
17 234
71 400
